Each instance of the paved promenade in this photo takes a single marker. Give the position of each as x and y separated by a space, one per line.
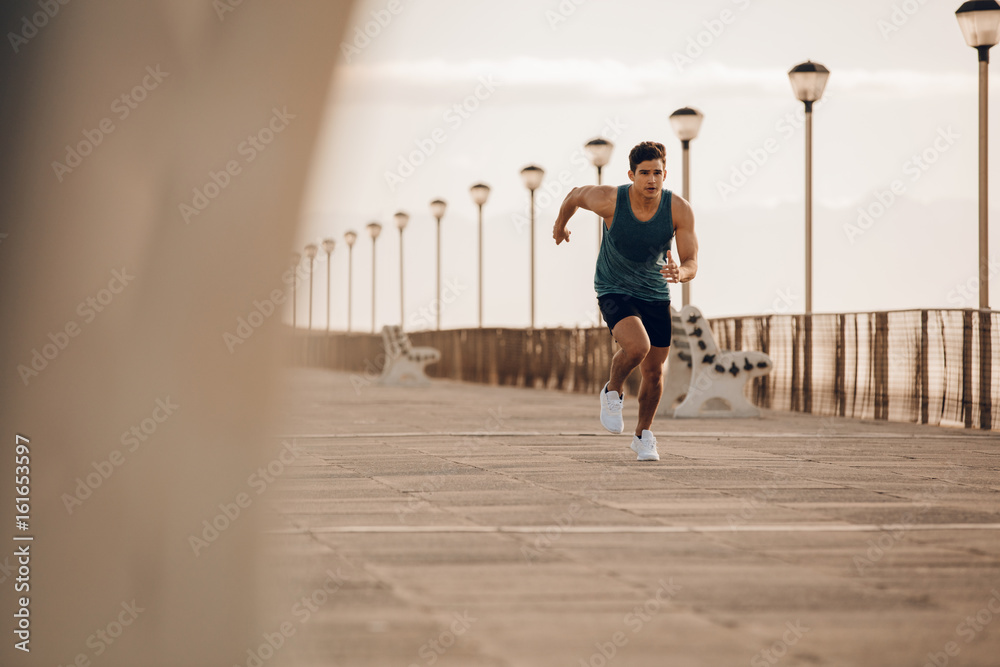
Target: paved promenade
465 525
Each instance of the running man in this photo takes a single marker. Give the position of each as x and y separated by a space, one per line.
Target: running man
633 268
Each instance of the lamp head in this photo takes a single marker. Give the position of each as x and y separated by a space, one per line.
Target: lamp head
480 193
808 81
350 238
437 208
599 151
374 229
401 218
311 251
686 123
329 245
532 176
980 23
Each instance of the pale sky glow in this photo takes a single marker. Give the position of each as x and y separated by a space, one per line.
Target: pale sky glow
900 107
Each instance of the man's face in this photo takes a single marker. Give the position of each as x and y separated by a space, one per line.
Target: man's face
648 177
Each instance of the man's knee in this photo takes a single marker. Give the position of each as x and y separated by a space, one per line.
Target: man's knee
652 373
635 352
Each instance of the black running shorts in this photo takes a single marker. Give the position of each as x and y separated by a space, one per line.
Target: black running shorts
655 315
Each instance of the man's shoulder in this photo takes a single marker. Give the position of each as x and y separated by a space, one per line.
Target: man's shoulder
679 207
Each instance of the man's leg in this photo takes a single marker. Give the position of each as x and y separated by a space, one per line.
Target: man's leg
651 387
631 336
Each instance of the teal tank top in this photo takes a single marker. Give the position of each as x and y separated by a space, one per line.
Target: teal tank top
632 252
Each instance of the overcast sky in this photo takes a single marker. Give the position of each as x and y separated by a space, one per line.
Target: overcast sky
441 94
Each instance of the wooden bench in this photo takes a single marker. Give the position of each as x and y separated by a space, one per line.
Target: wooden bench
404 364
702 380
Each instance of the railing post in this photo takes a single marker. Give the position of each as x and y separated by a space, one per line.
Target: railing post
967 368
881 365
985 370
922 369
796 394
841 368
807 365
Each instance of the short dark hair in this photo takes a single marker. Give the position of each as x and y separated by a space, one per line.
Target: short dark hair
647 150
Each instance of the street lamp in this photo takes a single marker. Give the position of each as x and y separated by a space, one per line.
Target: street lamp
374 229
980 24
686 122
328 246
296 258
480 193
401 218
808 81
599 152
532 177
437 210
311 251
350 238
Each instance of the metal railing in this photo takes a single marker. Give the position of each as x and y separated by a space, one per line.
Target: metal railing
924 366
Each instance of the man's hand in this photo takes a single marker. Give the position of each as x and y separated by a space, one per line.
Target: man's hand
672 272
560 233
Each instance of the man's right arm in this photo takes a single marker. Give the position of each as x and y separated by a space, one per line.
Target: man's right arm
600 199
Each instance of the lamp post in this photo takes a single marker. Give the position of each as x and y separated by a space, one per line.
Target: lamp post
401 219
311 251
350 238
437 210
532 177
808 81
686 123
480 193
980 24
599 152
328 246
374 229
296 258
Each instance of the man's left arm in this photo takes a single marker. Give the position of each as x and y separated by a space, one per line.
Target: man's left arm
687 244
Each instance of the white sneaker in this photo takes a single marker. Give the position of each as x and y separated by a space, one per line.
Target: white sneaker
611 410
645 447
